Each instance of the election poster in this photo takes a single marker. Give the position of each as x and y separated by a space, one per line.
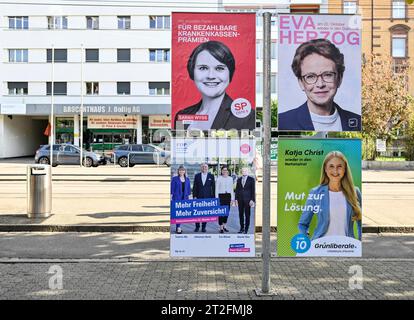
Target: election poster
213 71
319 66
319 198
213 197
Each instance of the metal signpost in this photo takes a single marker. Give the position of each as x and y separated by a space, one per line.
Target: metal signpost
52 122
81 110
265 290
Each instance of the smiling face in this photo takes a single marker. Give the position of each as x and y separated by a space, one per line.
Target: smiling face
245 172
225 172
204 168
181 172
211 76
335 169
321 93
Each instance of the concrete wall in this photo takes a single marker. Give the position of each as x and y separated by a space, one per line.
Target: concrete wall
20 136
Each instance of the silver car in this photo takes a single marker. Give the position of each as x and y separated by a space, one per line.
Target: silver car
67 154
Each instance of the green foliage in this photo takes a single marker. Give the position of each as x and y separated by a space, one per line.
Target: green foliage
273 110
368 142
409 138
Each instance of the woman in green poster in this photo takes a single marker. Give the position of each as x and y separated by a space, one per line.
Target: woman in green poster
337 199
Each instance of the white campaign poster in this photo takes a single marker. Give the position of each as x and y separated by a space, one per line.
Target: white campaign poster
319 68
213 197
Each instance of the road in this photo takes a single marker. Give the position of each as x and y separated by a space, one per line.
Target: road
145 202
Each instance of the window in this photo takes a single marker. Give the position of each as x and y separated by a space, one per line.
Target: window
259 49
57 22
19 23
259 83
123 87
259 20
148 149
159 88
92 88
17 88
70 149
124 55
159 55
124 22
92 23
92 55
273 83
398 9
159 22
399 44
59 55
273 50
399 39
18 55
56 147
136 148
59 88
350 7
304 8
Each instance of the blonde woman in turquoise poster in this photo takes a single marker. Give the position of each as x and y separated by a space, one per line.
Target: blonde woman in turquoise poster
320 214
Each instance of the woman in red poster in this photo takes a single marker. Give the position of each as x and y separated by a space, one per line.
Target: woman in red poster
211 66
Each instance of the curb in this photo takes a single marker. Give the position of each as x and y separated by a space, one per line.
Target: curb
138 228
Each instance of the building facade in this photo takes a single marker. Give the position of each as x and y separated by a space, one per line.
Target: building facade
114 60
387 28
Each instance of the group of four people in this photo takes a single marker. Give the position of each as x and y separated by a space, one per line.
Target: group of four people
205 186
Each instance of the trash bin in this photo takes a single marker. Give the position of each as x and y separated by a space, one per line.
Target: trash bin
39 191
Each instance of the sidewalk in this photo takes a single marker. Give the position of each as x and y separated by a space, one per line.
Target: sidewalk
144 246
137 266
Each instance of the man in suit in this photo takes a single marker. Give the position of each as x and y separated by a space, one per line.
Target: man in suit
245 197
204 187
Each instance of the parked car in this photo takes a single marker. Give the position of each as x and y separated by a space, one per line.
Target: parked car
131 154
165 146
67 154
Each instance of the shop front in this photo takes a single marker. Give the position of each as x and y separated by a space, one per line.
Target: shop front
104 126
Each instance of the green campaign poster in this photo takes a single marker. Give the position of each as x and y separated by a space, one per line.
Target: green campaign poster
319 197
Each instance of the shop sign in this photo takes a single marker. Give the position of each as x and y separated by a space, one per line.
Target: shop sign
112 122
159 122
16 108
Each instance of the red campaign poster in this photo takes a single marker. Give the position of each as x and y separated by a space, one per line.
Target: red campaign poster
213 71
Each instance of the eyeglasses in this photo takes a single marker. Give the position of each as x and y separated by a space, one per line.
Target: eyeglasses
312 78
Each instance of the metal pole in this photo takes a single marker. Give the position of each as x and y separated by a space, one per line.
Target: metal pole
81 109
266 153
52 102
